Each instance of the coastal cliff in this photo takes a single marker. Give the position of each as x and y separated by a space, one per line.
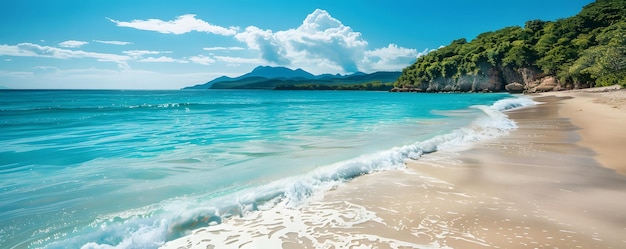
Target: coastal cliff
586 50
488 79
492 79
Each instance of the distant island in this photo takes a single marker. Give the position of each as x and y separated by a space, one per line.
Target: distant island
282 78
586 50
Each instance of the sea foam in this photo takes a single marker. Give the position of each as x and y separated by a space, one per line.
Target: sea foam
151 226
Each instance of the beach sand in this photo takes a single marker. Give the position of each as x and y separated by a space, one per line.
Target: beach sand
601 115
552 183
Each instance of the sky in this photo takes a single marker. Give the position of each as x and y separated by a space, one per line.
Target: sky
158 44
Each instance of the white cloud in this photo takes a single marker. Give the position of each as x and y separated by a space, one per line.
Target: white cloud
320 39
10 50
35 50
223 48
72 44
120 43
390 58
141 53
182 24
323 44
201 59
140 56
162 59
272 50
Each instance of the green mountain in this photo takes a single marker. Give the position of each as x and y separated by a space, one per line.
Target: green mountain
282 78
258 74
585 50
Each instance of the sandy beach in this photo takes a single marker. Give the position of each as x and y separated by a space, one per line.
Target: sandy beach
558 181
601 115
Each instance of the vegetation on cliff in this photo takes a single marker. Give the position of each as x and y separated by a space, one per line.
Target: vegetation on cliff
588 49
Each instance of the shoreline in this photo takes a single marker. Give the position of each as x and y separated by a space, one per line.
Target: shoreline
600 113
538 187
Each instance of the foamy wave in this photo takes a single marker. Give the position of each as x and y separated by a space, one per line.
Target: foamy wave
175 218
512 103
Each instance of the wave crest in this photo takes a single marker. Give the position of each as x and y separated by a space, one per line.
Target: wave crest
175 218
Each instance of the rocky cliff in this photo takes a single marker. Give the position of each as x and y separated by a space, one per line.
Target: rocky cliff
585 50
491 79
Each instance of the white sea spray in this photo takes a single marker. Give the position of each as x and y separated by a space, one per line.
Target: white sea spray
294 192
133 169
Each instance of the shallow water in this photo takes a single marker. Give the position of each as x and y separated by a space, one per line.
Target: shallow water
132 169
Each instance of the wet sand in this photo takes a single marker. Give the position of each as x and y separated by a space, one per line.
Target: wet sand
543 186
601 115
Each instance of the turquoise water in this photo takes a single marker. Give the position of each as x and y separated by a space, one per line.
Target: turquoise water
132 169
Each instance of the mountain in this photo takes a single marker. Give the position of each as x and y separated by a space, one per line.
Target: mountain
278 72
267 77
585 50
258 74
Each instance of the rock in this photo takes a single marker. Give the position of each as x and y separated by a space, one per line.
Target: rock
529 75
491 78
547 84
514 87
406 89
495 81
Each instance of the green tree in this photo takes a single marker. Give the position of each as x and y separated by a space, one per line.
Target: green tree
585 48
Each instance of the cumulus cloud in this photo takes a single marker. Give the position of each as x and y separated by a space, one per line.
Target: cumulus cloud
72 44
183 24
120 43
390 58
223 48
321 39
321 44
272 50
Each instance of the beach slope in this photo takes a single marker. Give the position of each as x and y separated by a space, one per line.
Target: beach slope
554 182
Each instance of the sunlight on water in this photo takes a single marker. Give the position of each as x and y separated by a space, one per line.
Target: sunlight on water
109 167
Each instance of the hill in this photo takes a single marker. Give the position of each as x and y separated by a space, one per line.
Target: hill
585 50
282 78
258 74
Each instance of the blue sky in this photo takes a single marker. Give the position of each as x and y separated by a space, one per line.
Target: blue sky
160 44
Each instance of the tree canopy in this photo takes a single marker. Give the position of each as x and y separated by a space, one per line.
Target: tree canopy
586 49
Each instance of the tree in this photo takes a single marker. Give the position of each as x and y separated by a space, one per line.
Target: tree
585 48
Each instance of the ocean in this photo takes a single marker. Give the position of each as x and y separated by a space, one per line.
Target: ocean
133 169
